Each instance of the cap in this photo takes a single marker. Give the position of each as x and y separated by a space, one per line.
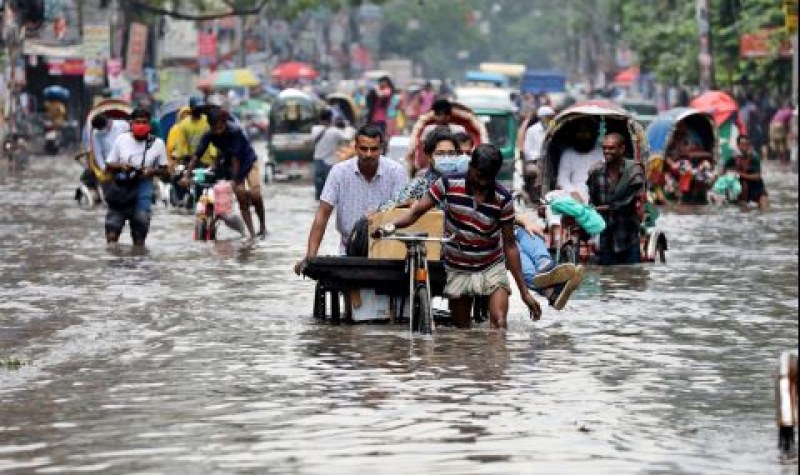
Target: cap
545 111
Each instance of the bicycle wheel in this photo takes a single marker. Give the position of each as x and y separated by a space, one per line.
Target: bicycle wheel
423 317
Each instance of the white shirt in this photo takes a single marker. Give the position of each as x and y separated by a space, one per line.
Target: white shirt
325 147
103 141
347 190
534 139
573 170
129 151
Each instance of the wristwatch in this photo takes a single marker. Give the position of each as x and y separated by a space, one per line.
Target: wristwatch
388 228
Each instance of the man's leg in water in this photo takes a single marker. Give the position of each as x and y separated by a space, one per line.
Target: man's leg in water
243 197
254 186
115 221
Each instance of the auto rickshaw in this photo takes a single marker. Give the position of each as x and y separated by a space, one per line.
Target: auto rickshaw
494 109
290 144
93 177
576 245
683 156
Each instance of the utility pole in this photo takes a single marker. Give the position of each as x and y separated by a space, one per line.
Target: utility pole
705 58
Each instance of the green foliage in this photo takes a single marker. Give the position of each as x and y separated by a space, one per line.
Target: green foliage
663 33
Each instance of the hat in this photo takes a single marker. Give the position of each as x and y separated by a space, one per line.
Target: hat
545 111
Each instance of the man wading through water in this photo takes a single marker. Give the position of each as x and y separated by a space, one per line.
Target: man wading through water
237 162
479 217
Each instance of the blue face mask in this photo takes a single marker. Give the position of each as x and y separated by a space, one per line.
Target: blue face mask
452 165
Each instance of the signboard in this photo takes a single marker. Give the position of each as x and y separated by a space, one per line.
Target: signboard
66 66
180 39
137 47
761 45
97 41
206 48
94 75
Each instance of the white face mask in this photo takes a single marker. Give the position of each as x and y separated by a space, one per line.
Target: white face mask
452 165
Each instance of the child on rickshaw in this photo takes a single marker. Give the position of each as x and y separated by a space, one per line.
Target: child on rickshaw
687 166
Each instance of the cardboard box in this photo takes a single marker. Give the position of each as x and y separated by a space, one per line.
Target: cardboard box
431 222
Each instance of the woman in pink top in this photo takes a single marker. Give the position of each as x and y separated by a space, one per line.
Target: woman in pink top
378 102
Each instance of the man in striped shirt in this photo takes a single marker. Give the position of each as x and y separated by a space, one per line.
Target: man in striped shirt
479 217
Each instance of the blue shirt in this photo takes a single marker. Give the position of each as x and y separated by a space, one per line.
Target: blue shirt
232 144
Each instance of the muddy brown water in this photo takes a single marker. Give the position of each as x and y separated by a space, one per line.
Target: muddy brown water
203 358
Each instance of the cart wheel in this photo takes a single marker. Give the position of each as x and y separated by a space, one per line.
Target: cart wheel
85 198
319 302
423 318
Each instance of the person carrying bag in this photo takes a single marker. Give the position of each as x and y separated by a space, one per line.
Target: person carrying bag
134 160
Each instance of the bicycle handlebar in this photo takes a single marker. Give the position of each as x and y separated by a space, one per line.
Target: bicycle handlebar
416 237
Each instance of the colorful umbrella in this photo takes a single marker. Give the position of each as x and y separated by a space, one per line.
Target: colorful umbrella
235 78
293 70
720 105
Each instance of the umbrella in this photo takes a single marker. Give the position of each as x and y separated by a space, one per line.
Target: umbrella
720 105
627 77
293 70
229 78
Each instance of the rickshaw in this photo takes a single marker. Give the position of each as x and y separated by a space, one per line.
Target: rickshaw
290 144
90 190
575 244
462 116
494 109
345 105
725 111
667 182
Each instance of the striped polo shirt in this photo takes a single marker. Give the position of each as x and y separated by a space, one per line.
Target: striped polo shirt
476 229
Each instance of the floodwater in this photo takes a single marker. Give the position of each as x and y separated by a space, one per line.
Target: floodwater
204 358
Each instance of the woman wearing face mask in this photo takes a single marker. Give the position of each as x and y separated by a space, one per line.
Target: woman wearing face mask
442 153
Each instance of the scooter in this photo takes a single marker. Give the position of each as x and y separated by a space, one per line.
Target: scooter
52 138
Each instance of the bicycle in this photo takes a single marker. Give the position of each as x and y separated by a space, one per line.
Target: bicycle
419 285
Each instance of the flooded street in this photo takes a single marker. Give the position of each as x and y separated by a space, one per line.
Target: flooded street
204 358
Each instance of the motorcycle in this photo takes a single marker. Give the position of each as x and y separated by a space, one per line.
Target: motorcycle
52 138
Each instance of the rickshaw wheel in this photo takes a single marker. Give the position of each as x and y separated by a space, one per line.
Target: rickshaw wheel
422 311
85 199
319 302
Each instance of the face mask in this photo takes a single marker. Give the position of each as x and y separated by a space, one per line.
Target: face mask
452 165
140 130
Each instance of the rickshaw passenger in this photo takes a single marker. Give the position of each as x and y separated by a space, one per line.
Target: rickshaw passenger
556 282
680 169
573 170
443 152
616 190
465 143
103 135
534 136
354 188
748 165
479 215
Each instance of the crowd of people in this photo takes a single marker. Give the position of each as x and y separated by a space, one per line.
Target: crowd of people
448 169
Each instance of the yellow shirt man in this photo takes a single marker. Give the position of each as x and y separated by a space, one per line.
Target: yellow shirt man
189 132
172 139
